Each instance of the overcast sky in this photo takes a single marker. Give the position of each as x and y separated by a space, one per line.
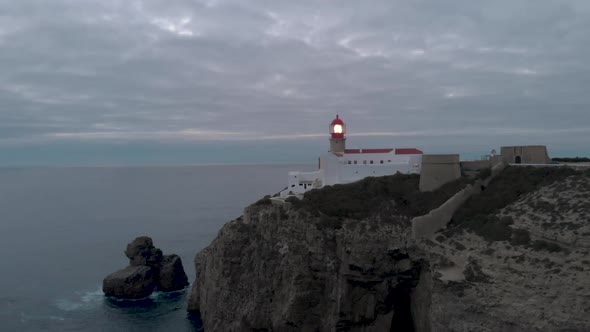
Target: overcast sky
455 75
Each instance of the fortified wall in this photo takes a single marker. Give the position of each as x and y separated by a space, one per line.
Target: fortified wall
438 169
437 219
471 168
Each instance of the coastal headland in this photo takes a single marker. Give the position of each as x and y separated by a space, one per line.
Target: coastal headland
509 252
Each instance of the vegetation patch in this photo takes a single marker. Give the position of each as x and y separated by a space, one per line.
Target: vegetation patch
520 237
459 246
484 173
488 251
478 214
539 245
263 201
456 288
328 222
361 199
489 227
473 273
569 226
572 160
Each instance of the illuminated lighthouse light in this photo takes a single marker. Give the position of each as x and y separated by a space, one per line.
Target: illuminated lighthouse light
337 128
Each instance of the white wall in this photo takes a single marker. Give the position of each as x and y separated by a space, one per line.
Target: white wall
337 170
300 182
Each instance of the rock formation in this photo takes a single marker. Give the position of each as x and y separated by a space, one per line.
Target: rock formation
132 282
284 269
148 270
171 276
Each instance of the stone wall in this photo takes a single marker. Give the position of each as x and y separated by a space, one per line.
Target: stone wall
473 167
438 169
530 154
437 219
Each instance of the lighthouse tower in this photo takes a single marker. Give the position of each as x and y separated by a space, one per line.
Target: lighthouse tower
337 138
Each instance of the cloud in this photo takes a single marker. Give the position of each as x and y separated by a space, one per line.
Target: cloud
231 70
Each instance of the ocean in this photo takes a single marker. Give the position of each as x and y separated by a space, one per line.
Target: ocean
63 229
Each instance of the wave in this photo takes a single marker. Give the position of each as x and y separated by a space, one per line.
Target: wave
87 301
24 318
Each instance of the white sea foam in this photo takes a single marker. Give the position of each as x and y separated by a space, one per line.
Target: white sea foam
95 296
68 305
86 301
27 318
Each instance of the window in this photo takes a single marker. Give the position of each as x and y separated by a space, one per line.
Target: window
389 161
364 162
349 162
381 162
371 162
355 162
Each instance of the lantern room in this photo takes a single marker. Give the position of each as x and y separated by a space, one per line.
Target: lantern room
337 128
337 138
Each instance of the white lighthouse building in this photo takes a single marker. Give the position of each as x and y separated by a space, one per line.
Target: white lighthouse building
341 165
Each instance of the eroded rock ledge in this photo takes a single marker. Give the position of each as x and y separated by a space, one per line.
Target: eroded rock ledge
148 270
285 269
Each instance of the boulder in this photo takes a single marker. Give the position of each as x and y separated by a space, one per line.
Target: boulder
142 252
172 276
132 282
148 270
138 245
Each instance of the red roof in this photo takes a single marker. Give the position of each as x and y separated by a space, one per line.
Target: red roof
408 151
337 121
351 151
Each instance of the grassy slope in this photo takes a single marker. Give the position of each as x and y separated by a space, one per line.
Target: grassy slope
360 199
478 214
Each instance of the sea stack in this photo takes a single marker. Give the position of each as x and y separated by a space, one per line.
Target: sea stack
148 270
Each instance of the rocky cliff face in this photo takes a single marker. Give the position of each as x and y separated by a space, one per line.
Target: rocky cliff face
282 269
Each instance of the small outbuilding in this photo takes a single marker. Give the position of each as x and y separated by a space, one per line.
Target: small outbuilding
528 154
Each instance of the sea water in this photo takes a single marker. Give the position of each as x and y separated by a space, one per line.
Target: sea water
62 230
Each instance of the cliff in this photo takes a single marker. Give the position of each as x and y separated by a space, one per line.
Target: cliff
310 267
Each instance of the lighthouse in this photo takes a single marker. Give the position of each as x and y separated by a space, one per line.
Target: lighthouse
341 165
337 135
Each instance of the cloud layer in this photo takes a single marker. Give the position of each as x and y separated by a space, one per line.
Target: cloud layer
228 70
